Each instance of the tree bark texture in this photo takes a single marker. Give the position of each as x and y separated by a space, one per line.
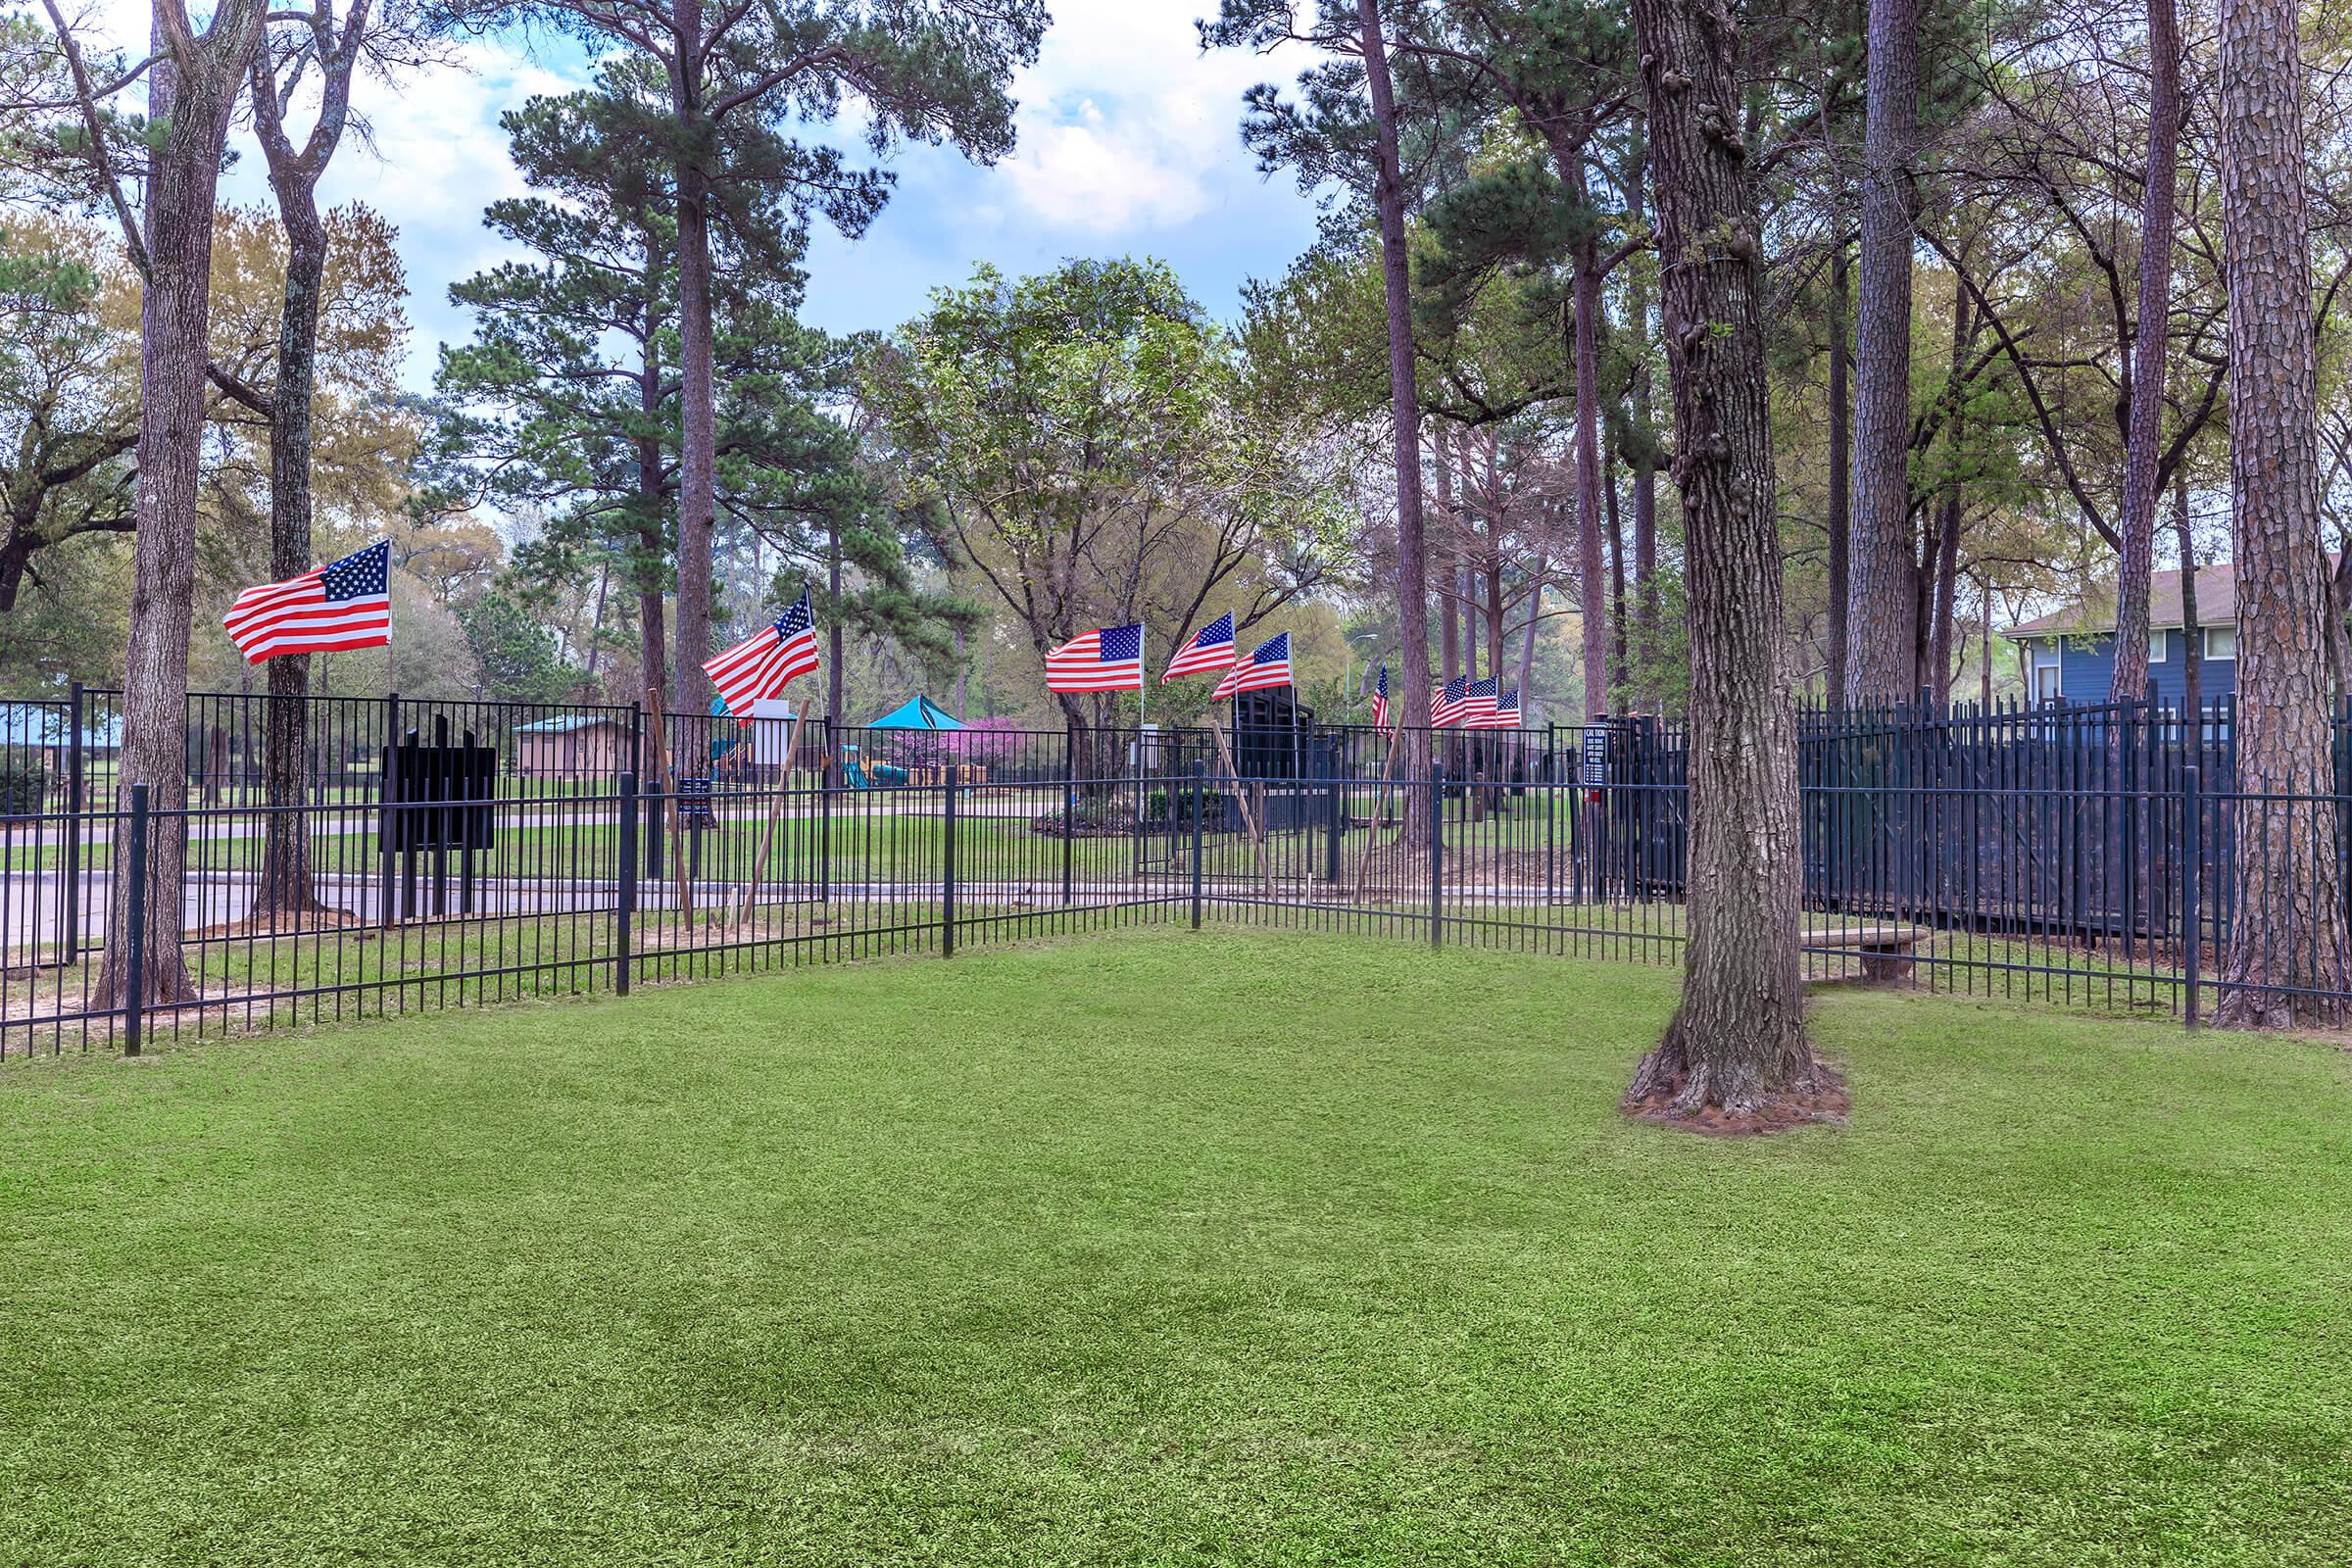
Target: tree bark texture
1648 695
1449 637
1841 409
1589 564
1736 1047
2192 631
1412 584
2142 449
2287 926
285 889
1953 514
193 94
1881 610
698 410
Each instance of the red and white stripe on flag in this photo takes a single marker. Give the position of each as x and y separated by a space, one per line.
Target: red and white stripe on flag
1268 665
1108 659
344 604
764 663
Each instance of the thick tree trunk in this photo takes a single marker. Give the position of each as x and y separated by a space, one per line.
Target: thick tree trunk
2145 433
1880 621
2287 925
1736 1052
1842 475
1413 587
285 887
192 95
698 482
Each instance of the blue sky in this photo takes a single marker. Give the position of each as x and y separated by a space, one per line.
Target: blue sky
1128 144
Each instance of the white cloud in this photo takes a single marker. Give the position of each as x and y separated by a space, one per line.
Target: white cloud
1125 125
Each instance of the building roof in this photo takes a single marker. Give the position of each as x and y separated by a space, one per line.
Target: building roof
2217 605
565 724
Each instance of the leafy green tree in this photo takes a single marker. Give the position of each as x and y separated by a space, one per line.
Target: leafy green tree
514 652
1081 434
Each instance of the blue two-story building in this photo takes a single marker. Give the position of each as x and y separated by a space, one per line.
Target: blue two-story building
2070 654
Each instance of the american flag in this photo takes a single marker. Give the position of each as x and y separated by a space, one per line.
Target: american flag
1450 702
1268 665
1478 704
345 603
1380 700
1108 659
1503 713
767 662
1211 648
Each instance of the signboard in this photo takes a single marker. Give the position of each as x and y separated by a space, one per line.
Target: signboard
772 731
1597 756
694 803
445 792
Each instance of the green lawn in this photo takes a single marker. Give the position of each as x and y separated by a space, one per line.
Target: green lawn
1173 1248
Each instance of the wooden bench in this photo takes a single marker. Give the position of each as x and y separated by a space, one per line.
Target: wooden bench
1885 948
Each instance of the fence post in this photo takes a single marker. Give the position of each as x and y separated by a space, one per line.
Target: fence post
1339 825
387 808
628 883
947 876
2193 864
134 957
1200 767
1069 809
1437 854
71 949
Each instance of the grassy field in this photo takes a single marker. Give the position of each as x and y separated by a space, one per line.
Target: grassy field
1232 1248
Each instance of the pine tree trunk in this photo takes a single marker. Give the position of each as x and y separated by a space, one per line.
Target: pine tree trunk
1882 601
1586 267
2287 925
1943 607
2192 631
1646 613
1620 671
1841 462
1449 637
2145 433
697 481
1405 413
1736 1053
192 95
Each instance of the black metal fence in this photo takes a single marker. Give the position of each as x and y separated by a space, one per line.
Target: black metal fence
2082 857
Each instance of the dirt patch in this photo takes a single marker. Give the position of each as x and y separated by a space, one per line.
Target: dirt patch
1824 1100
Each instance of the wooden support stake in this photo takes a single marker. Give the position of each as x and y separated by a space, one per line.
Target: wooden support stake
775 810
1258 842
1380 808
669 798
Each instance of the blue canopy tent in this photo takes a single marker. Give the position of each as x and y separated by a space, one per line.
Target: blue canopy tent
919 713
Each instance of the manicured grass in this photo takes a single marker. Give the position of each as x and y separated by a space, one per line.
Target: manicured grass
1173 1248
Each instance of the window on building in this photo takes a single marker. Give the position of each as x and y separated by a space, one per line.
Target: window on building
2221 642
2157 644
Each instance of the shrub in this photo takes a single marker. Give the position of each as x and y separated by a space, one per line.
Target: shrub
24 783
